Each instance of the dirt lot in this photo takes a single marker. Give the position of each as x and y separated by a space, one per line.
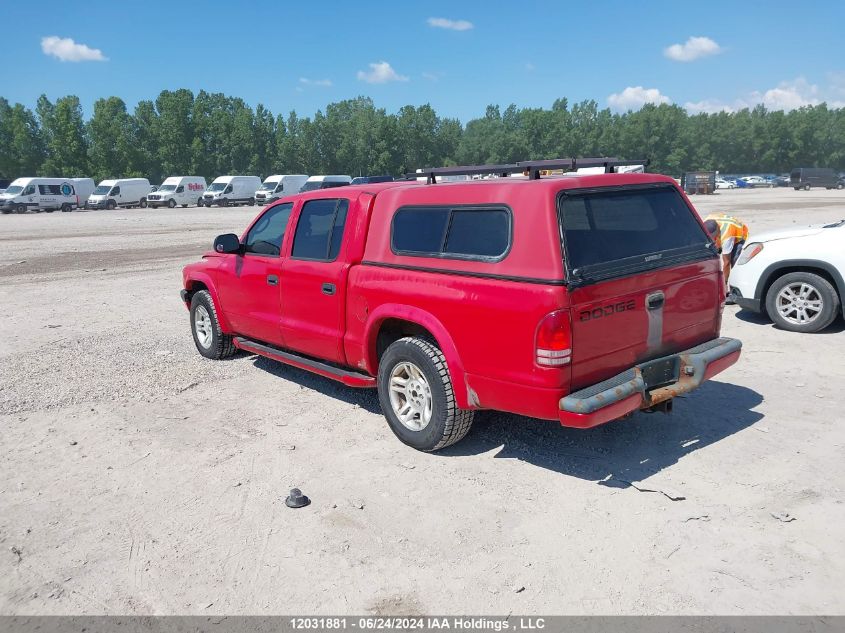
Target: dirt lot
137 477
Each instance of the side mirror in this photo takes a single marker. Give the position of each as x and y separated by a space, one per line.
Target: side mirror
227 243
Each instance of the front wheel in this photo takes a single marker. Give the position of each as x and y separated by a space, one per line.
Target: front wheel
111 205
171 204
802 302
224 202
21 208
417 397
209 338
143 203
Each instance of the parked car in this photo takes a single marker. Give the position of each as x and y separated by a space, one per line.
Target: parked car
782 181
794 276
181 190
227 190
450 298
757 182
721 183
39 194
368 180
807 177
278 186
120 192
325 182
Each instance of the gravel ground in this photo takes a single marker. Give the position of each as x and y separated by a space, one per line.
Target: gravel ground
138 478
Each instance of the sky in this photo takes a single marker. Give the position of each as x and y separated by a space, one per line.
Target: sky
457 56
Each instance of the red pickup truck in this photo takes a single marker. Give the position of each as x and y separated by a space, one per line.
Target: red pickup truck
575 298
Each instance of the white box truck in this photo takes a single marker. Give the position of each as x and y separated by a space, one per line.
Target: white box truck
279 186
120 192
84 188
325 182
39 194
181 190
227 190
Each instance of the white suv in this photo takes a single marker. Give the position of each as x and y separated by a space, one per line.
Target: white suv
796 276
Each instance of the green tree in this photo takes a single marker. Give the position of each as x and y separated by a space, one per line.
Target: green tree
66 142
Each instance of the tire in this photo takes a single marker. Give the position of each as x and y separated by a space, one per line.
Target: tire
807 187
143 203
21 208
840 186
224 202
251 202
446 423
797 188
199 202
171 204
111 205
817 291
184 206
66 208
216 345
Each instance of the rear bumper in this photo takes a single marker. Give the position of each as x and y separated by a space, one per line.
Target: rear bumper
629 391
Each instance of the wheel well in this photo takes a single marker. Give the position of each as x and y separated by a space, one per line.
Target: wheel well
195 286
391 330
780 272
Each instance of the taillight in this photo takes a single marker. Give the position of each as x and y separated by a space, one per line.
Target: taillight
749 252
554 340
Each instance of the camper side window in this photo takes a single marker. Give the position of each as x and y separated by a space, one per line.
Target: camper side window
49 190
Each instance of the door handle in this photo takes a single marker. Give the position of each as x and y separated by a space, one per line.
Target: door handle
272 280
655 301
328 289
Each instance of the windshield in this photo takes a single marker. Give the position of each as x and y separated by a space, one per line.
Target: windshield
311 186
102 190
167 188
217 186
14 189
268 186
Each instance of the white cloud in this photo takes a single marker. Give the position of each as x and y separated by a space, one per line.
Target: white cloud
432 76
452 25
694 48
322 83
380 73
635 97
786 96
66 50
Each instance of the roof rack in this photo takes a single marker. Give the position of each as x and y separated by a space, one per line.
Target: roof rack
533 167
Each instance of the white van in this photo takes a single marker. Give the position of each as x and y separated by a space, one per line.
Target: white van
120 192
175 190
325 182
84 188
279 186
39 194
227 190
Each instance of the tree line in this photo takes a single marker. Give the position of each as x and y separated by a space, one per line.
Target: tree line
210 134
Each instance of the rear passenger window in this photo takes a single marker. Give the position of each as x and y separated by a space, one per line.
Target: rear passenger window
319 232
452 232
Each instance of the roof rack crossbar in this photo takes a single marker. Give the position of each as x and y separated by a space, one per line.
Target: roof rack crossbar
533 167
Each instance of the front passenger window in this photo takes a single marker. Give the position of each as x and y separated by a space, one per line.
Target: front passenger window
28 191
115 191
180 189
265 236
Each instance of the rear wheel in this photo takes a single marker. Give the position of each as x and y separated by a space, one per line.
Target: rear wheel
209 338
802 302
840 186
252 202
66 208
199 202
417 397
807 187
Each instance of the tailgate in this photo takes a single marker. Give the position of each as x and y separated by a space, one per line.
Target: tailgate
644 277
